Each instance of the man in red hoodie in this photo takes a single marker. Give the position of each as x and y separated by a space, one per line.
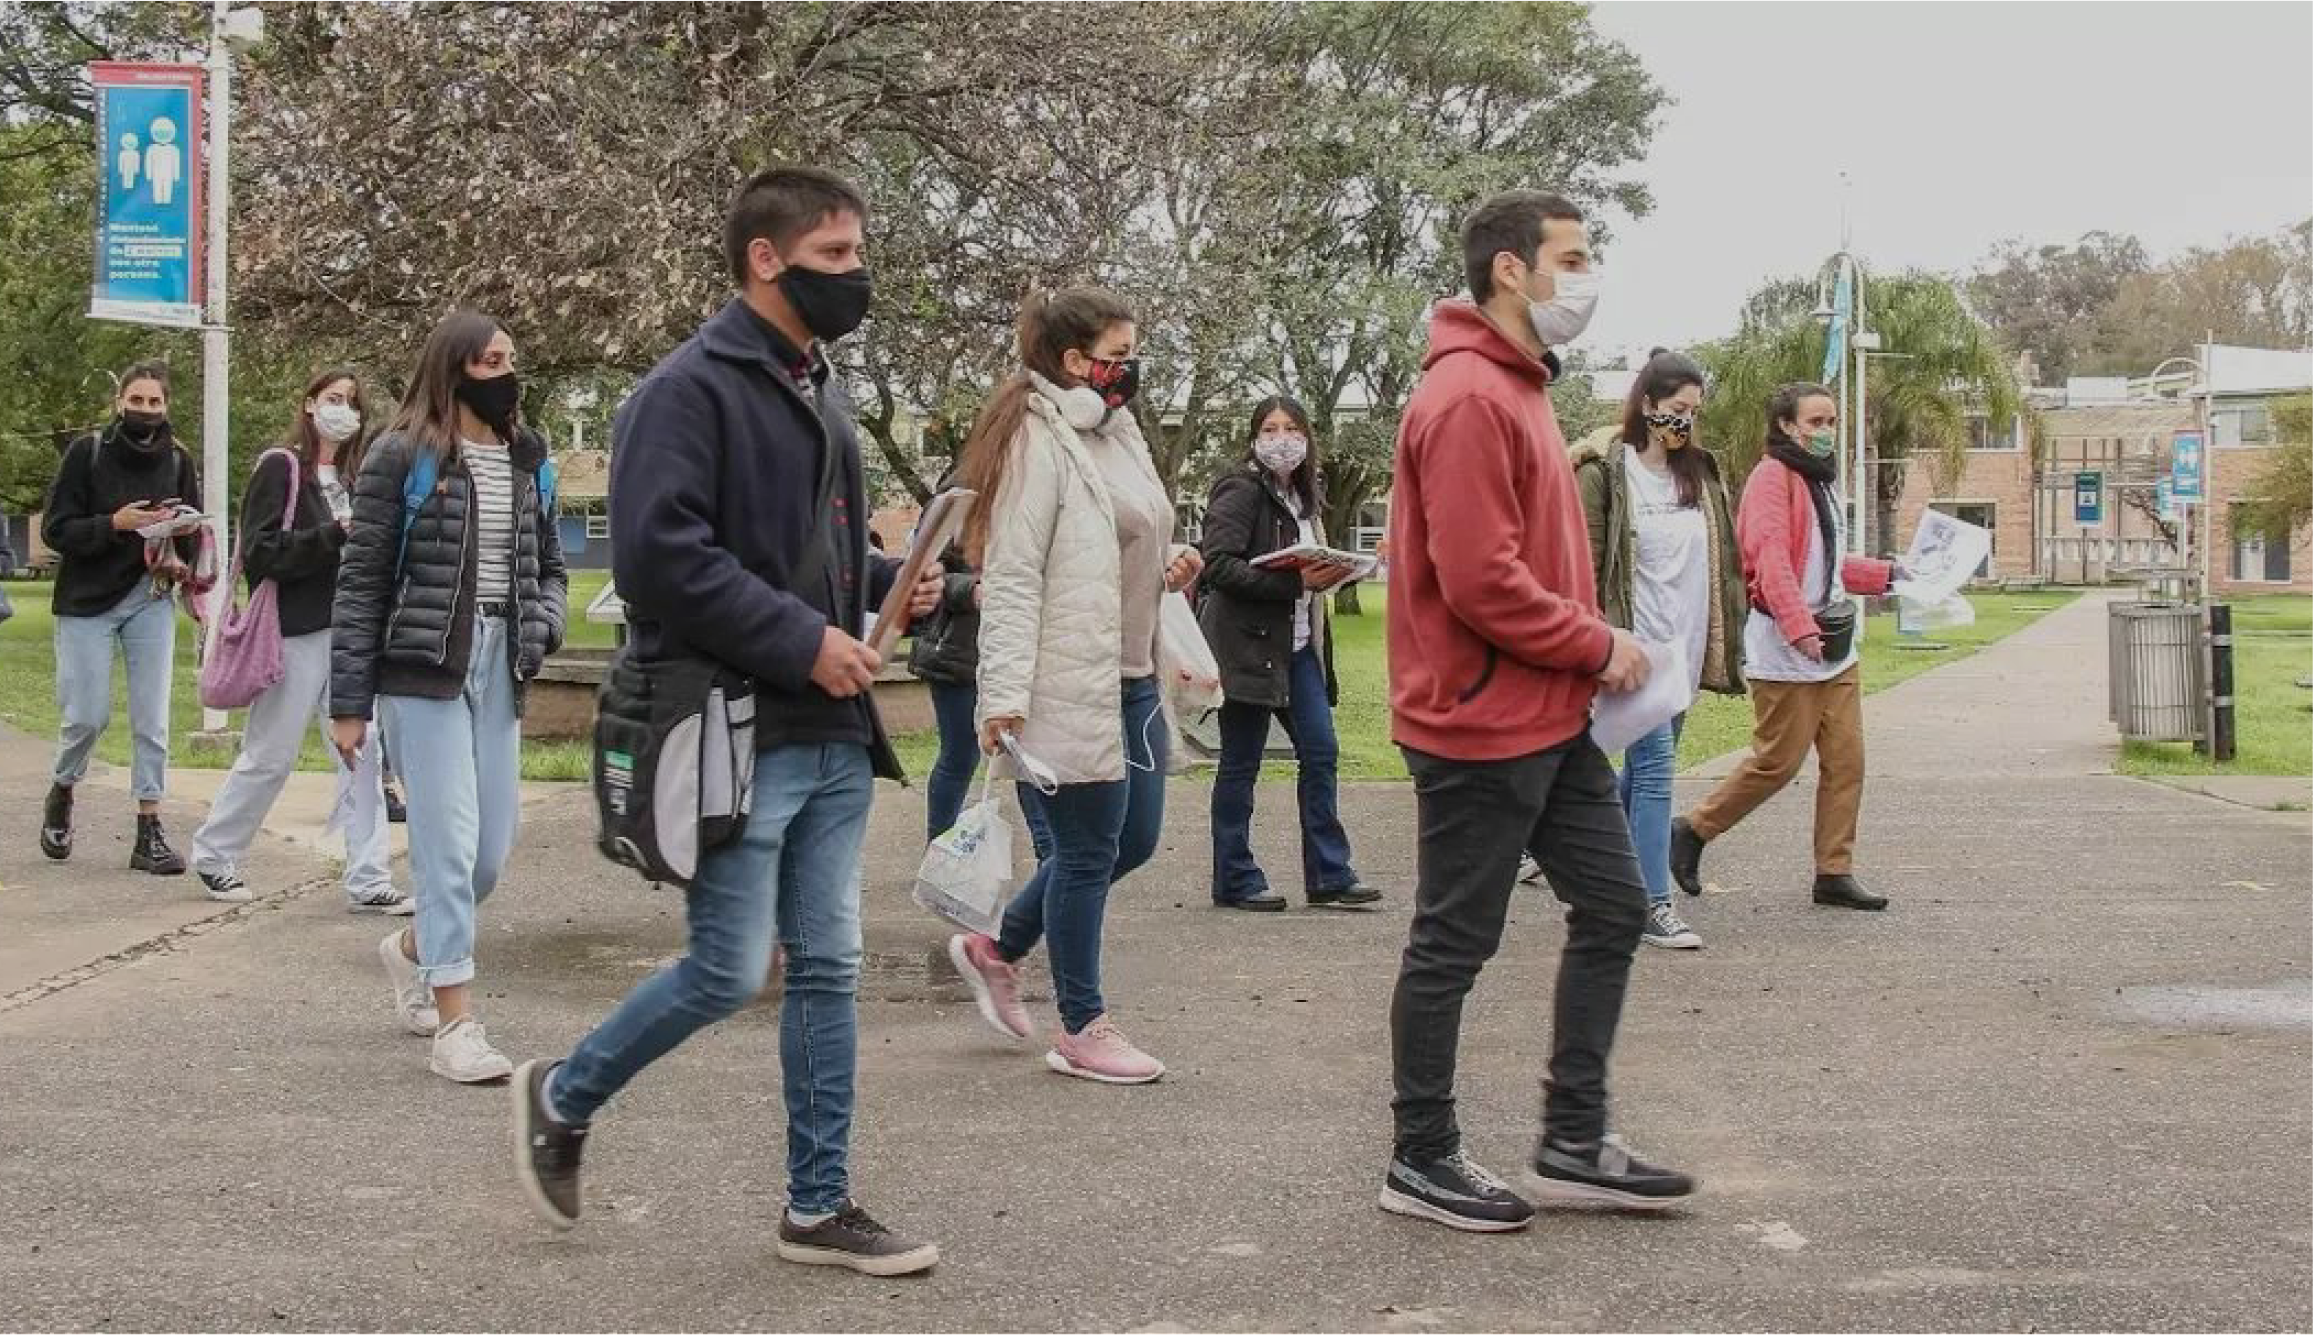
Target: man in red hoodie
1496 647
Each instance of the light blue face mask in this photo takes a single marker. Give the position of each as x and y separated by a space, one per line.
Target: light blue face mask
1821 444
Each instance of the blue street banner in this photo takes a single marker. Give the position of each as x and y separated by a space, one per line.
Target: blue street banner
1842 313
2088 499
2186 467
148 222
2164 501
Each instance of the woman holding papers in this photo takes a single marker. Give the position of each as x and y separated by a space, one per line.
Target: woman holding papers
112 594
293 537
1074 540
1801 646
1662 543
1269 629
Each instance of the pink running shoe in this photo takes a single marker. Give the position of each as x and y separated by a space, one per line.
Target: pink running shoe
1103 1053
995 984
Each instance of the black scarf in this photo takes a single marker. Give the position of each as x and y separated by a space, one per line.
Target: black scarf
1819 472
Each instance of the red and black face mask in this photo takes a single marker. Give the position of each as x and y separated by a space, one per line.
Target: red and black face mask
1115 381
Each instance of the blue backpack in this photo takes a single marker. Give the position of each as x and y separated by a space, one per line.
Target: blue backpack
418 484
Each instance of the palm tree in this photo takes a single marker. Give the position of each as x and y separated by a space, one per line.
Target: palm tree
1941 366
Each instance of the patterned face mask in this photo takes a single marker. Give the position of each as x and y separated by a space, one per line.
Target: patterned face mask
1674 430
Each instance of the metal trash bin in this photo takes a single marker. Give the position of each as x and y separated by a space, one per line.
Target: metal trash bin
2158 689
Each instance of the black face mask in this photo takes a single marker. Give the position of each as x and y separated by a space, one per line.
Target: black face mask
495 401
145 430
829 304
1115 382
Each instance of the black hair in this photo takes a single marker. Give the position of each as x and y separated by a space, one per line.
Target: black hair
780 204
1511 221
1786 403
151 368
1304 477
1665 374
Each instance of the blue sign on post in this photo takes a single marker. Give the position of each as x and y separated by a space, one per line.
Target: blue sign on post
2164 500
2186 469
2088 499
148 224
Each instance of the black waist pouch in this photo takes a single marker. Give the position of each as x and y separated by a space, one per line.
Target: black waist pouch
1837 624
674 763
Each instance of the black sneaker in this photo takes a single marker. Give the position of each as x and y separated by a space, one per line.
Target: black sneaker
152 852
227 887
1686 856
1264 902
56 823
1605 1172
852 1239
1455 1192
1354 895
397 811
546 1152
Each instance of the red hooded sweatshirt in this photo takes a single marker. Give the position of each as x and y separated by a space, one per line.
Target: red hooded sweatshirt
1495 638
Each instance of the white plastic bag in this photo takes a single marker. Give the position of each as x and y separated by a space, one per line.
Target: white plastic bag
1941 612
1192 674
966 871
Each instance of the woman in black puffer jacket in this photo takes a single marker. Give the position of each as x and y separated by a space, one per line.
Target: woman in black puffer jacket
1270 631
449 599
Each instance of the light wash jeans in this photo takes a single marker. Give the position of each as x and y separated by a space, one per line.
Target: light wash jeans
145 628
1647 770
462 761
792 875
271 737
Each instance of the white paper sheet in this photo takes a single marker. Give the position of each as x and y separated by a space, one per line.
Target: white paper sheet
1619 718
356 789
1945 554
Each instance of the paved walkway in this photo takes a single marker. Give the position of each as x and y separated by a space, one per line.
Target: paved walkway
2066 1082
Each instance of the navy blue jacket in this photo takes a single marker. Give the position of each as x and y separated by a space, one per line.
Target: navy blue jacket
714 469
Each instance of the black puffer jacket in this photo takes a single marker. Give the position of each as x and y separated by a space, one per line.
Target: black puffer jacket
403 621
1248 612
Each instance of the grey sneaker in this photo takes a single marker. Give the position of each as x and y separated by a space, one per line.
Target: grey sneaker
385 899
1665 928
1529 871
413 1000
852 1239
546 1151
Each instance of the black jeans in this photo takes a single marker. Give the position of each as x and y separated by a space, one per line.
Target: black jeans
1475 817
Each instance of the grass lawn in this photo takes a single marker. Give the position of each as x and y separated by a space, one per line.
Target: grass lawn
1717 724
2273 715
28 688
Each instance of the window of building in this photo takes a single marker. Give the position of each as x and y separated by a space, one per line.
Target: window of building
2255 558
597 527
2246 427
1984 434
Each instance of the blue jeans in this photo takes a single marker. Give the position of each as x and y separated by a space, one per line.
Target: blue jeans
145 628
791 875
1244 738
463 760
951 777
1101 832
1647 770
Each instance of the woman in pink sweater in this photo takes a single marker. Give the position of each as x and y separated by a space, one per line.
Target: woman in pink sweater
1801 649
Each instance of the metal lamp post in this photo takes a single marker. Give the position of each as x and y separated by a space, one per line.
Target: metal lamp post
1854 408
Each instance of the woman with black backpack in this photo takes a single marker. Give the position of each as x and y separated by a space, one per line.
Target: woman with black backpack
1271 632
450 596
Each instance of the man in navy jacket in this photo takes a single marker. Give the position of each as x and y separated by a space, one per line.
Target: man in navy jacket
739 533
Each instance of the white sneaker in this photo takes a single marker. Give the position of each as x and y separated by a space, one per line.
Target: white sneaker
462 1052
1665 928
413 1000
1529 871
385 899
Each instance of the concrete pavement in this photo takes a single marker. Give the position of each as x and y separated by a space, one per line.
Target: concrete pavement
2064 1083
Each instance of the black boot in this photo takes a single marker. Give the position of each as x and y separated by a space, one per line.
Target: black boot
1842 892
152 852
396 812
56 823
1686 856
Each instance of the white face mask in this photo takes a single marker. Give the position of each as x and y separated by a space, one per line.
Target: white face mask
1280 454
1562 319
336 422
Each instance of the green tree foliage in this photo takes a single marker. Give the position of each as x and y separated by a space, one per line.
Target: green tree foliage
2281 498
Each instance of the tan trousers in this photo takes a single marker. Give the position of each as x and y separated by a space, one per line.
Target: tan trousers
1792 717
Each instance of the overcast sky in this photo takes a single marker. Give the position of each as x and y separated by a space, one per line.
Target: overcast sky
1961 125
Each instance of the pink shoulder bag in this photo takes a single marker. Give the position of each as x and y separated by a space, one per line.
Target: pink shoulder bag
244 660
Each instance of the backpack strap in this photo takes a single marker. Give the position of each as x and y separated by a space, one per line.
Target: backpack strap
417 485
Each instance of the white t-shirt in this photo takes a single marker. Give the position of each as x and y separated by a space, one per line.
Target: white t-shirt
1303 606
333 492
1767 655
1672 603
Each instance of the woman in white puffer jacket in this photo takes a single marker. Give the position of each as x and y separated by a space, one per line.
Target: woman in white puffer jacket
1074 537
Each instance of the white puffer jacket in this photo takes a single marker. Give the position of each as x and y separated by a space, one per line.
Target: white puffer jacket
1051 586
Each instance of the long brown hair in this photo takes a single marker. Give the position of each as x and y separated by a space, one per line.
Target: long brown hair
304 440
429 412
1665 374
1050 324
